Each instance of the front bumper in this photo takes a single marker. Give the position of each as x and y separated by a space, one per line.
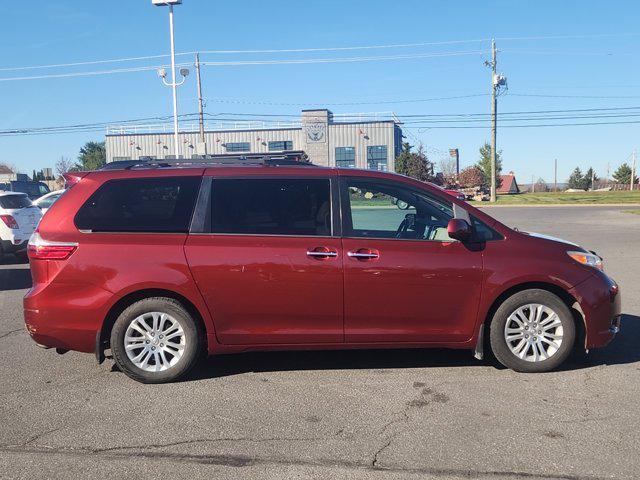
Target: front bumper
600 304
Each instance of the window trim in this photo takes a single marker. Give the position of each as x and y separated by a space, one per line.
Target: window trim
345 201
203 205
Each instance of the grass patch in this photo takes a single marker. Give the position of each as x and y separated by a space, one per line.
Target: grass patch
635 212
558 198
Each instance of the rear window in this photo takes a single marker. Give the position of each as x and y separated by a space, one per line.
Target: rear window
271 206
15 201
156 205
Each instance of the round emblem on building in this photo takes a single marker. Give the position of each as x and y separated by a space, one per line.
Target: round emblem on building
316 132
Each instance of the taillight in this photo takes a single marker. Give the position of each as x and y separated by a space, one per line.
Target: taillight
41 249
9 221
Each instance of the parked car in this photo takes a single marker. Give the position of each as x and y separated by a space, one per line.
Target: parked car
455 193
161 262
32 189
45 201
19 220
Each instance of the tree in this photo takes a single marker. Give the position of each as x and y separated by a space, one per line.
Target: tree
589 179
485 164
541 185
414 164
447 166
92 156
576 180
623 175
34 175
64 165
471 177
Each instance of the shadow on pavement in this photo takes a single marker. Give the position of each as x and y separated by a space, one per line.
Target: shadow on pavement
623 350
15 278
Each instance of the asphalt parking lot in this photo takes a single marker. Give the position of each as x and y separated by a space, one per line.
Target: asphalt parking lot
359 414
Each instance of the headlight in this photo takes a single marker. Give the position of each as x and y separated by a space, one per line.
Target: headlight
589 259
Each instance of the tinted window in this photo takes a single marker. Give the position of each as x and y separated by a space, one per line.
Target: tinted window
237 147
346 157
271 206
30 188
15 201
47 202
386 210
377 158
278 146
140 205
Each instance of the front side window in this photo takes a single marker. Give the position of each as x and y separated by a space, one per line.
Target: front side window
377 158
237 147
389 210
155 205
280 146
271 206
346 157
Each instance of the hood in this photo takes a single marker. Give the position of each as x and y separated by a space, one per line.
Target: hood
549 237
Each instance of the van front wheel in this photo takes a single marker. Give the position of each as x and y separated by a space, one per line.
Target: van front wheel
532 331
155 340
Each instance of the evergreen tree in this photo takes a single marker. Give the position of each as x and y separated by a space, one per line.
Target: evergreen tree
485 164
414 164
623 175
588 177
576 180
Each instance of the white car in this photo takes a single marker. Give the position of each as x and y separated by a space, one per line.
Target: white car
45 201
19 218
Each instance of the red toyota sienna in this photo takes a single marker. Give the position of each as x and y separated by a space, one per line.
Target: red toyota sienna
160 263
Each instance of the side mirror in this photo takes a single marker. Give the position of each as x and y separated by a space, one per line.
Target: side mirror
459 229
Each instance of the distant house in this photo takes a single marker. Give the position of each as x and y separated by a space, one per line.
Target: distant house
508 184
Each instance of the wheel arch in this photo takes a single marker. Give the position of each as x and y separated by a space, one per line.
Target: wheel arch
568 299
104 334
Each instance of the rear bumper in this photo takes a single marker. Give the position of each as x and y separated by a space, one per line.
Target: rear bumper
599 299
65 316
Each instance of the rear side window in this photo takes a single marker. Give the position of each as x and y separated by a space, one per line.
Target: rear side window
156 205
30 188
15 201
271 206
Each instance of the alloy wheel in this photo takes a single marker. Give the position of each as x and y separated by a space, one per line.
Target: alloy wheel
533 332
154 341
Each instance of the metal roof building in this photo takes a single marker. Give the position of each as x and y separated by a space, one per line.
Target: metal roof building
354 140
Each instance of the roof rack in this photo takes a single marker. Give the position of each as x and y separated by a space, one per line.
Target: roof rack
292 158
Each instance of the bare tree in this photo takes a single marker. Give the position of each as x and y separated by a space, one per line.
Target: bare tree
64 165
448 168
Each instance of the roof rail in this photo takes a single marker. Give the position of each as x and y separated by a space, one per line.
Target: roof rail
292 158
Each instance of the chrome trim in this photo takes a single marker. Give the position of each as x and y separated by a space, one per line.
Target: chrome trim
614 329
312 253
363 255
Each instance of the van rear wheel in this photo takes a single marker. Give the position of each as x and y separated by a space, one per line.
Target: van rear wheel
532 331
155 340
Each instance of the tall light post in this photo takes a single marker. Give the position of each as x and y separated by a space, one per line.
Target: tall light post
163 74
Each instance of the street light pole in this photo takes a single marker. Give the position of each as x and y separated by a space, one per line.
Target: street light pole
174 86
162 73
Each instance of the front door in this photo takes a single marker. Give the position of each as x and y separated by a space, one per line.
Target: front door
268 266
405 279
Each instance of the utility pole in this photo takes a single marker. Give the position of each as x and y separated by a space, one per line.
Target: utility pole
593 179
494 122
555 175
633 170
200 109
533 184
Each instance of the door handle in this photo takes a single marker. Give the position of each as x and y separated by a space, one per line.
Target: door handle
364 254
321 253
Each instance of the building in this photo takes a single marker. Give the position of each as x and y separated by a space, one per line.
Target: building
359 141
508 184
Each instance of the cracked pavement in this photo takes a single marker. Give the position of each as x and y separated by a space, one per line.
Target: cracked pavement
355 414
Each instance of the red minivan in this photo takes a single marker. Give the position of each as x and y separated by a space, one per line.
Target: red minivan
163 262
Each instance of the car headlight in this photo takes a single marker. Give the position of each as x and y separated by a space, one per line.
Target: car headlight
585 258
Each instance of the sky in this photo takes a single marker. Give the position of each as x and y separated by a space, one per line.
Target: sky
556 55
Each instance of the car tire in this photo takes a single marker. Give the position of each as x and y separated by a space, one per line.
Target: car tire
546 322
155 340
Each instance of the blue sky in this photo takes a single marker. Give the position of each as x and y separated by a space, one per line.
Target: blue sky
597 64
